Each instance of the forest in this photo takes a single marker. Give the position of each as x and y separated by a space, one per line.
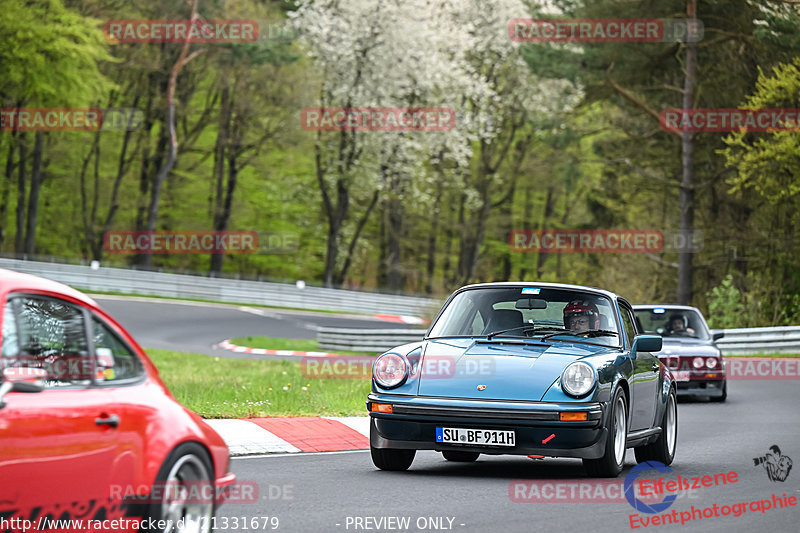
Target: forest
210 131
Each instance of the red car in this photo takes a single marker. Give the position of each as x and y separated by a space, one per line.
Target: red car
88 431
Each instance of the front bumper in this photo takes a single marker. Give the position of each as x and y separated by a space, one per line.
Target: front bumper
413 422
224 487
704 387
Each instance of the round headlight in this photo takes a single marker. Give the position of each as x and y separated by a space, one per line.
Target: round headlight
578 379
698 362
711 362
390 370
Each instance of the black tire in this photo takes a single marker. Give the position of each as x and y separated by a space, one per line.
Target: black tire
724 393
392 459
189 464
460 457
662 450
610 465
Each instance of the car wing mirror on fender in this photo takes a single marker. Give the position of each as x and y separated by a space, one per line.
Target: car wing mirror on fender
21 379
647 343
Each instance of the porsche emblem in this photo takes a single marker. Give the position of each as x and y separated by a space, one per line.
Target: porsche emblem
481 387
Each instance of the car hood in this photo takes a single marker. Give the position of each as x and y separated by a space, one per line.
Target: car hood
464 368
687 347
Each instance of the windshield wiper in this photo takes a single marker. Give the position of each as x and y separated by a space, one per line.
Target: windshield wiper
589 333
524 329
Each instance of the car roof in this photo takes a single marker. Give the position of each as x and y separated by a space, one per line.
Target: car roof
12 281
566 286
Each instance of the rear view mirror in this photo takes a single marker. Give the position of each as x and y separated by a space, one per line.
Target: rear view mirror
717 335
531 303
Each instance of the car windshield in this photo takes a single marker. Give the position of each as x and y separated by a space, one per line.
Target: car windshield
557 314
672 322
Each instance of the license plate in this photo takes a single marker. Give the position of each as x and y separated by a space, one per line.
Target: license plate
681 375
475 437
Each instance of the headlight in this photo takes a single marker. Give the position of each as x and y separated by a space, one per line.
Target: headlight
390 370
698 362
578 379
711 362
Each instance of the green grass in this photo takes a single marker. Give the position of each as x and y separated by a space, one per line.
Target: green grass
216 387
299 345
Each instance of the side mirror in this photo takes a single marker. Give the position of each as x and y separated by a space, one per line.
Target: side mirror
717 335
647 343
21 380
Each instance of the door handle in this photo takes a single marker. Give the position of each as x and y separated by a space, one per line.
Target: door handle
111 420
655 367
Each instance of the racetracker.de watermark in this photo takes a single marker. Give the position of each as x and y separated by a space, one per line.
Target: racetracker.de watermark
431 366
180 242
605 30
763 368
181 31
581 491
604 241
729 120
189 492
70 119
377 118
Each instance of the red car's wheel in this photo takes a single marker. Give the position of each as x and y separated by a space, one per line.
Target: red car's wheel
181 500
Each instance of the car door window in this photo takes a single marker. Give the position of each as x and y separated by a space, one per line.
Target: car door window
627 323
47 333
115 360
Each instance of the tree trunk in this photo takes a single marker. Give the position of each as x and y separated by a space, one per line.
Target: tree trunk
19 238
219 171
359 227
33 199
9 178
437 209
687 180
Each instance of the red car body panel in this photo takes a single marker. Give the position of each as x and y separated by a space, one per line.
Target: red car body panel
54 455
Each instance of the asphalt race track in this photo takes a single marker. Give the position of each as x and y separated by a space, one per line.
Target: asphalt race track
322 492
197 327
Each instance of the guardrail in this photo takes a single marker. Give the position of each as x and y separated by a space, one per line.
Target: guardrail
222 290
742 341
751 341
366 340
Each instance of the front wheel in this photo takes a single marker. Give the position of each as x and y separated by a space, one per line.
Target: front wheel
724 393
610 465
177 499
663 449
460 457
392 459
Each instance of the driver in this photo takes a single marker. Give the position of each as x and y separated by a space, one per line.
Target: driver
678 325
581 315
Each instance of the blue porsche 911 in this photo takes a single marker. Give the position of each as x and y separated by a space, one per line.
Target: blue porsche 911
526 369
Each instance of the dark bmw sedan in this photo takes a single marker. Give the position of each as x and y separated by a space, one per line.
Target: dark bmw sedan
689 349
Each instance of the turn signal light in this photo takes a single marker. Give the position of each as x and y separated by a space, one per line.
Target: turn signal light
574 417
382 407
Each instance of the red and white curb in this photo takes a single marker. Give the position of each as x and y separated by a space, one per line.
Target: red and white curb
252 436
227 345
404 319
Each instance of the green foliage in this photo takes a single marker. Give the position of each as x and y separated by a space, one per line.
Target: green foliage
725 307
51 55
769 163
